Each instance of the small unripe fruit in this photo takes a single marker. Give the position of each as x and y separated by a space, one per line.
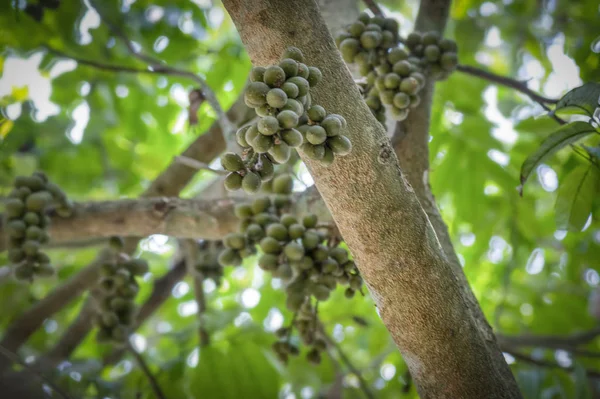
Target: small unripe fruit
232 162
251 182
274 76
292 137
243 211
340 145
370 39
229 257
349 293
38 201
283 184
392 80
316 113
316 135
270 245
294 105
280 152
430 38
257 74
289 66
409 85
294 251
290 89
287 119
314 76
235 240
268 262
277 231
233 181
349 48
262 143
268 125
316 152
401 100
432 53
293 53
302 83
256 93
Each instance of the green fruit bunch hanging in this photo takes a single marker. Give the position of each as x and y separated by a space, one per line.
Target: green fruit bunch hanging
208 260
27 220
280 95
118 288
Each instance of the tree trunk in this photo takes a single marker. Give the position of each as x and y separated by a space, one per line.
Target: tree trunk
419 297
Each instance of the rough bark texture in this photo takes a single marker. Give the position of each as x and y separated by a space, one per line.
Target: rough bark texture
209 219
419 298
411 144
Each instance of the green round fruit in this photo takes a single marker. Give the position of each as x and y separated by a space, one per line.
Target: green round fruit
373 102
290 89
262 143
138 266
294 251
419 77
287 119
316 113
268 262
16 228
332 125
402 68
233 181
270 245
265 169
229 257
355 282
280 152
316 135
296 231
235 241
257 74
276 98
409 85
415 100
38 201
413 39
240 136
430 38
274 76
316 152
243 211
340 145
232 162
356 29
303 71
16 255
24 272
349 48
401 100
449 61
448 46
370 39
292 137
268 125
293 53
397 54
277 231
289 66
31 247
256 93
254 232
392 80
265 110
283 184
251 134
287 219
432 53
251 182
320 291
294 105
314 76
260 205
34 233
399 114
302 83
328 157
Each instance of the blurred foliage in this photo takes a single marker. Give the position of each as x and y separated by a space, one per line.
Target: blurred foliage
103 134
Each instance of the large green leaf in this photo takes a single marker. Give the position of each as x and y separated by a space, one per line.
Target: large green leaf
564 136
576 196
581 100
241 370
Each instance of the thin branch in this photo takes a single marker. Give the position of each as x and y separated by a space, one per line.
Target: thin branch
545 363
99 65
550 341
374 7
190 248
506 81
13 358
192 163
346 360
160 67
146 370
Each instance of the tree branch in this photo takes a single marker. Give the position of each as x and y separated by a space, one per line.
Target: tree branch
544 363
208 219
227 127
549 341
100 65
506 81
419 297
190 248
146 370
192 163
374 7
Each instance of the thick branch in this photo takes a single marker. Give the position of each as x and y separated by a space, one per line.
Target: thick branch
208 219
508 82
549 341
190 248
419 297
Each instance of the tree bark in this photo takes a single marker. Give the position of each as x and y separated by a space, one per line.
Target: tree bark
419 297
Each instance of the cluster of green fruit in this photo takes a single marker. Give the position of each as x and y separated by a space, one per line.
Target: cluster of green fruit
366 41
255 218
118 287
208 260
27 223
298 251
287 119
306 322
438 56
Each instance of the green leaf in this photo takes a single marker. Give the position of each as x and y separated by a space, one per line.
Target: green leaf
240 370
564 136
576 196
594 152
581 100
582 389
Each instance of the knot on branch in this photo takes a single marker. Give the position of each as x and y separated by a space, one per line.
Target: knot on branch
385 153
162 208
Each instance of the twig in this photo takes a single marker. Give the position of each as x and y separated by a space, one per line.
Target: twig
159 66
374 7
192 163
15 359
191 258
549 341
138 357
506 81
363 384
545 363
98 65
